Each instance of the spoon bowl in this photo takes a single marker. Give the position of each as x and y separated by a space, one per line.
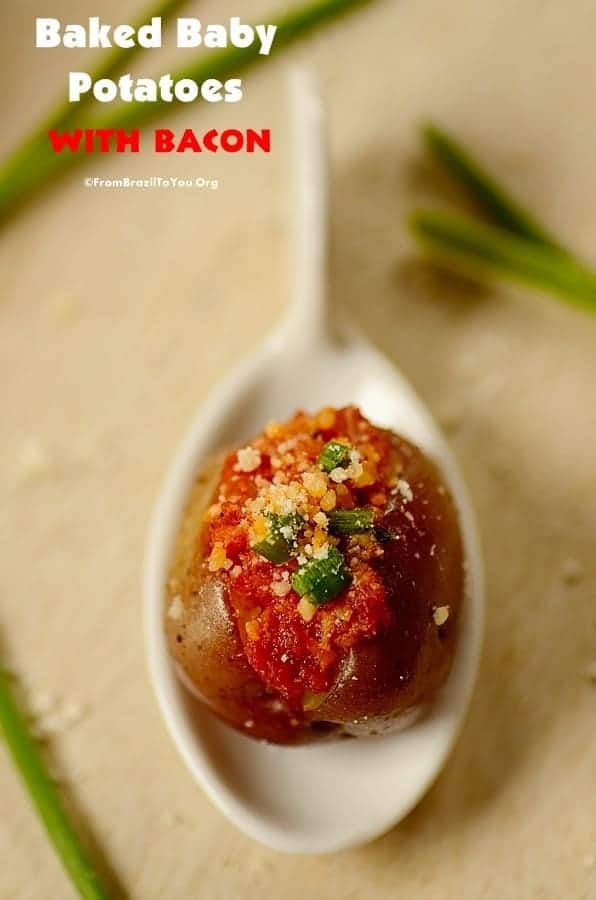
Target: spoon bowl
330 795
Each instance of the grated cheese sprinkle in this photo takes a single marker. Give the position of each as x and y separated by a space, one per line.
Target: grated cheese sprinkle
281 588
176 610
441 614
249 459
405 490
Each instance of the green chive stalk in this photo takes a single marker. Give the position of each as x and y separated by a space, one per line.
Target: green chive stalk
46 798
34 164
65 114
504 254
491 198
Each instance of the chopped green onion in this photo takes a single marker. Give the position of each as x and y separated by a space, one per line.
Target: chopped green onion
280 544
334 455
351 521
320 580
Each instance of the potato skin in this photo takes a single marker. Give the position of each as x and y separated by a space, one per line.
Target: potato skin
388 680
382 683
210 657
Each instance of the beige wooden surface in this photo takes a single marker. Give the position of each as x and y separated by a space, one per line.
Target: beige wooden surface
119 311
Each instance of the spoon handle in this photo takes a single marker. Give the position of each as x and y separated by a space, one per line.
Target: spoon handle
307 318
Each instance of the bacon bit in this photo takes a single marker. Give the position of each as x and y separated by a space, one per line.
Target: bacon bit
218 558
320 539
274 430
370 453
306 609
252 629
328 501
327 625
260 530
315 483
344 497
368 476
325 420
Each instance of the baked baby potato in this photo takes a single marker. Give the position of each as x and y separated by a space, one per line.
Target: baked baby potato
317 581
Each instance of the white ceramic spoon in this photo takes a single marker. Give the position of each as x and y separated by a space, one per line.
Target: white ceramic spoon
321 797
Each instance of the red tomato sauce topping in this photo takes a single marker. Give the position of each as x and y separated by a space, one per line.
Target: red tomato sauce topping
295 639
